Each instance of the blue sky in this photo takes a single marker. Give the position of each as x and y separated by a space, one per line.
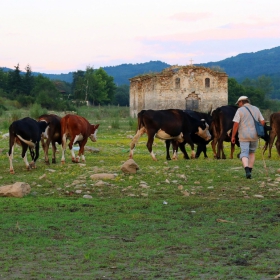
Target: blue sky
59 36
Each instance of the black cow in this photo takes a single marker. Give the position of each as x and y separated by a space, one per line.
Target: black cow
27 133
52 135
168 124
200 142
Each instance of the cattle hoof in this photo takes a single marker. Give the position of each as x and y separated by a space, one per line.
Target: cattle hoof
12 172
63 162
47 162
53 160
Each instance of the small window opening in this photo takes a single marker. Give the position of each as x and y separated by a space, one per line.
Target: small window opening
207 82
177 83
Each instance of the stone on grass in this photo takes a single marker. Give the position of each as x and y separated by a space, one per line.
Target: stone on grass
87 196
18 189
101 176
130 166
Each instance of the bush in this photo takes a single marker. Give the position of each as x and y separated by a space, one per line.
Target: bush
115 124
36 111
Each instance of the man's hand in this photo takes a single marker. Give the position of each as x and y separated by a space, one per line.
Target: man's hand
233 140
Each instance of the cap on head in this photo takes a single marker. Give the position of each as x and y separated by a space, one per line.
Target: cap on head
242 98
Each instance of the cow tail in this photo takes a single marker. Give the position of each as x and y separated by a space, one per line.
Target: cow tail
140 131
29 143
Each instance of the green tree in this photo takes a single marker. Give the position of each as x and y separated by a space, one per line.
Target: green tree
94 86
235 90
122 95
15 82
265 84
27 81
45 93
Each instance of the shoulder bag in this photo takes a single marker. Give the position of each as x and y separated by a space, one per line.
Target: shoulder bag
258 125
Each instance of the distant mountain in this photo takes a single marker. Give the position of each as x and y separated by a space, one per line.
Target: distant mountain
250 65
124 72
121 73
245 65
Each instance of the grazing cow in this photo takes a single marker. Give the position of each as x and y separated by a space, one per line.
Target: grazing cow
78 130
26 133
275 131
51 135
200 142
166 125
221 128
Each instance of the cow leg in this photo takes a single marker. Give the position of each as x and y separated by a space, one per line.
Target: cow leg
46 151
63 148
214 144
201 148
175 146
82 150
150 142
277 144
220 149
53 152
272 137
45 146
167 147
135 139
183 150
11 155
24 155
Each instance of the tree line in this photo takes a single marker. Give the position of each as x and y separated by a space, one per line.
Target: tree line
96 87
92 85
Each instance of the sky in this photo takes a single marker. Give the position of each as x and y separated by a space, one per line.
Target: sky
61 36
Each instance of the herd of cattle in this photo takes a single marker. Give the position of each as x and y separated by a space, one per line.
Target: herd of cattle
176 127
28 133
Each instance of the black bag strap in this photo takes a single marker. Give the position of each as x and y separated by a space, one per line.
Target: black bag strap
250 113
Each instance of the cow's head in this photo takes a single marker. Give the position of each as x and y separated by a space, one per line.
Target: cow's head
203 130
93 132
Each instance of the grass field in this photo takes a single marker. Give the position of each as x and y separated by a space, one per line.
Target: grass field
185 219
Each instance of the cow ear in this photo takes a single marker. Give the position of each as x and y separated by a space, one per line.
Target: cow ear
96 126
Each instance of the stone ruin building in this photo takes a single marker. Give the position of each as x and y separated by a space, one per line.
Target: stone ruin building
179 87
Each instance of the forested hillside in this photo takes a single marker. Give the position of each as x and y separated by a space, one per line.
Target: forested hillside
250 65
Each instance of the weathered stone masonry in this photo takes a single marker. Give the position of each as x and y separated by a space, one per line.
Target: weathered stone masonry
179 87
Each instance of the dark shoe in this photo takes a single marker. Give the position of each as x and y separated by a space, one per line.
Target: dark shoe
248 175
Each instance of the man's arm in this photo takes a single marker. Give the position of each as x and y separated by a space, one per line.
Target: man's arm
234 131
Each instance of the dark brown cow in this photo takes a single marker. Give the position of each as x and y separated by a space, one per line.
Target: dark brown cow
52 135
26 133
172 124
273 133
78 130
221 128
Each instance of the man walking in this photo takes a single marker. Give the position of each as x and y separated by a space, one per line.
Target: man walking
248 138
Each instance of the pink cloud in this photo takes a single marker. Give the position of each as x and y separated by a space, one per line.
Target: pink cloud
190 16
231 32
256 22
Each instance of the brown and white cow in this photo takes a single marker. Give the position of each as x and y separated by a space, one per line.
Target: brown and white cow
52 135
26 133
78 130
167 125
273 133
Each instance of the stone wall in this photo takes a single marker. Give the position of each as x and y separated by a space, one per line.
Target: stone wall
179 87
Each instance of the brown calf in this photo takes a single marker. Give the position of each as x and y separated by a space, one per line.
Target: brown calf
77 129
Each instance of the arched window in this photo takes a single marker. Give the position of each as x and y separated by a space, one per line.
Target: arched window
207 82
177 83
